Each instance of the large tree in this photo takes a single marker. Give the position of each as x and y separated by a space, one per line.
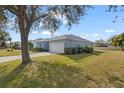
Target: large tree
48 18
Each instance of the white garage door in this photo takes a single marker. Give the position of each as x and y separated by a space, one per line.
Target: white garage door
56 46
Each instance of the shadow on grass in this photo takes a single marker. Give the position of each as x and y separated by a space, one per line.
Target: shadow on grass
11 75
77 57
50 75
46 74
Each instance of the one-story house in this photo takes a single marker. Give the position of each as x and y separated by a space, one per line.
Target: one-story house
58 43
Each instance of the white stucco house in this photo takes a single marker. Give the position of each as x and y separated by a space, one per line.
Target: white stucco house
58 43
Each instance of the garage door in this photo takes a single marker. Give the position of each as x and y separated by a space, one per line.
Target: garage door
56 46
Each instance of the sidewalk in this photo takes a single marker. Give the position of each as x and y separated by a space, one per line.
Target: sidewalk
10 58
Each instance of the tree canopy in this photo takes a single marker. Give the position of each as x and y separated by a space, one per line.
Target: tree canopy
101 43
3 38
49 18
118 40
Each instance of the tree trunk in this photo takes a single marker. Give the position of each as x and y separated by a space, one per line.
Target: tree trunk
24 40
24 49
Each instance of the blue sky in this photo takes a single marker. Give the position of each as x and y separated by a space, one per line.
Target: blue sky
96 25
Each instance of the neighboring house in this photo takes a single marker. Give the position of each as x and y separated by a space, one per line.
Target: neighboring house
57 44
16 45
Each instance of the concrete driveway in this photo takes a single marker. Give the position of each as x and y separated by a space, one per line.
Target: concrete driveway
10 58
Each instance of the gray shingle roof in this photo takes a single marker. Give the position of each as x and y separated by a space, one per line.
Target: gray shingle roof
62 37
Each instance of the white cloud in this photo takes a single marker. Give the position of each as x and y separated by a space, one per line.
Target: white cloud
46 32
109 30
96 34
43 32
35 32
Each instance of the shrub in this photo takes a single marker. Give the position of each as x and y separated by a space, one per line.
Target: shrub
88 49
8 50
11 50
80 50
69 50
91 49
73 50
37 49
76 50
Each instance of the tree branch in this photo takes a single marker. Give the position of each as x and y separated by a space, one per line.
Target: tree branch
33 8
12 9
41 16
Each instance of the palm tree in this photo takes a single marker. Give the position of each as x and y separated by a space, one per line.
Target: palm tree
118 40
121 41
113 41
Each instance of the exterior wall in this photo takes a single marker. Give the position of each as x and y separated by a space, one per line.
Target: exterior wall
56 46
70 43
34 44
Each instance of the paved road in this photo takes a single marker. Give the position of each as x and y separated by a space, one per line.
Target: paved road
10 58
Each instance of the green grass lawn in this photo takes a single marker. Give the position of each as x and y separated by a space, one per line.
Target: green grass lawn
100 69
4 52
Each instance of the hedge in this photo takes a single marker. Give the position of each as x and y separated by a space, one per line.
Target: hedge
88 49
77 50
69 50
37 49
